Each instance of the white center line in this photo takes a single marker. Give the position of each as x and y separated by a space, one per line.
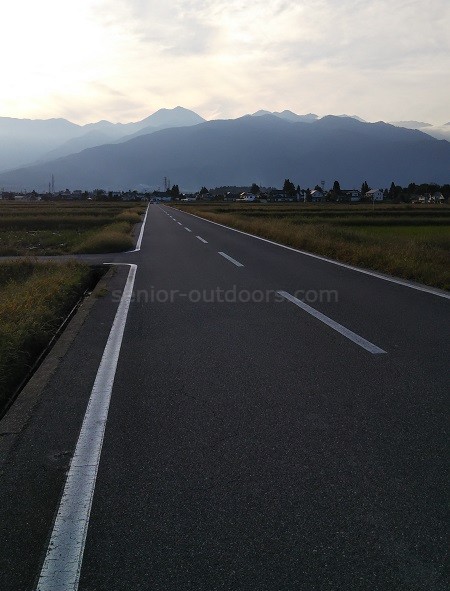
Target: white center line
367 345
62 564
234 261
202 240
187 229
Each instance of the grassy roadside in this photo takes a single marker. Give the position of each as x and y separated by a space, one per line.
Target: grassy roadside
36 297
34 300
412 242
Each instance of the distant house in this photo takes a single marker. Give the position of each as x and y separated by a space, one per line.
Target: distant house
375 195
437 197
317 196
352 195
247 197
425 198
278 196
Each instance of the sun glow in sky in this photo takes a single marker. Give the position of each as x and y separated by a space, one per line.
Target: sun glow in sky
122 60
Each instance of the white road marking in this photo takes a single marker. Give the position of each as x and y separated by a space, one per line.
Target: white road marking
187 229
367 345
234 261
403 282
62 564
179 223
202 240
141 234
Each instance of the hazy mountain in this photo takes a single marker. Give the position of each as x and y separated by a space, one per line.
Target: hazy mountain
265 150
288 115
26 141
411 124
177 117
77 144
440 132
354 117
163 119
261 112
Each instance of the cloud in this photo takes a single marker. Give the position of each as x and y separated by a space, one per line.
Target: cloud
383 59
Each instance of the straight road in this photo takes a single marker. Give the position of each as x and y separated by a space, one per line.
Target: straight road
277 422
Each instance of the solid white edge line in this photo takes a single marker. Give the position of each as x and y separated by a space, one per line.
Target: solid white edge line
141 233
234 261
367 345
62 565
403 282
202 240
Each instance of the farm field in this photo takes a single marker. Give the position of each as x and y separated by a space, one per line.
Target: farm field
33 229
35 297
408 241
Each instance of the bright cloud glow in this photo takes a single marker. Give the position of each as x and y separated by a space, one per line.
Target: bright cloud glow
123 59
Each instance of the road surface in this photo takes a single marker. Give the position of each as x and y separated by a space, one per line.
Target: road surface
259 419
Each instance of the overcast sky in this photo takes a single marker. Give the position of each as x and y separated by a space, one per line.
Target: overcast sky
122 60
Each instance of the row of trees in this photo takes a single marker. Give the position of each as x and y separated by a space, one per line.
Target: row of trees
394 193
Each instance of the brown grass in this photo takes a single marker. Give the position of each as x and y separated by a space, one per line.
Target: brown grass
61 228
34 300
113 238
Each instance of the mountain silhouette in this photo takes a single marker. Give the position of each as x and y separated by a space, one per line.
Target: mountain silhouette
28 141
265 149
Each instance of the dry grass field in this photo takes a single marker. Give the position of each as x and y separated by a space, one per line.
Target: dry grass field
54 228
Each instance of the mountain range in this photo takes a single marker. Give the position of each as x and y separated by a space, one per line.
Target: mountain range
28 141
264 147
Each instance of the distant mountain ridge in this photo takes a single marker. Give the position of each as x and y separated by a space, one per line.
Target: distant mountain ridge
24 141
287 115
265 149
411 124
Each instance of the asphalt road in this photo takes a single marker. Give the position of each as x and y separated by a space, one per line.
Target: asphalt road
252 443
